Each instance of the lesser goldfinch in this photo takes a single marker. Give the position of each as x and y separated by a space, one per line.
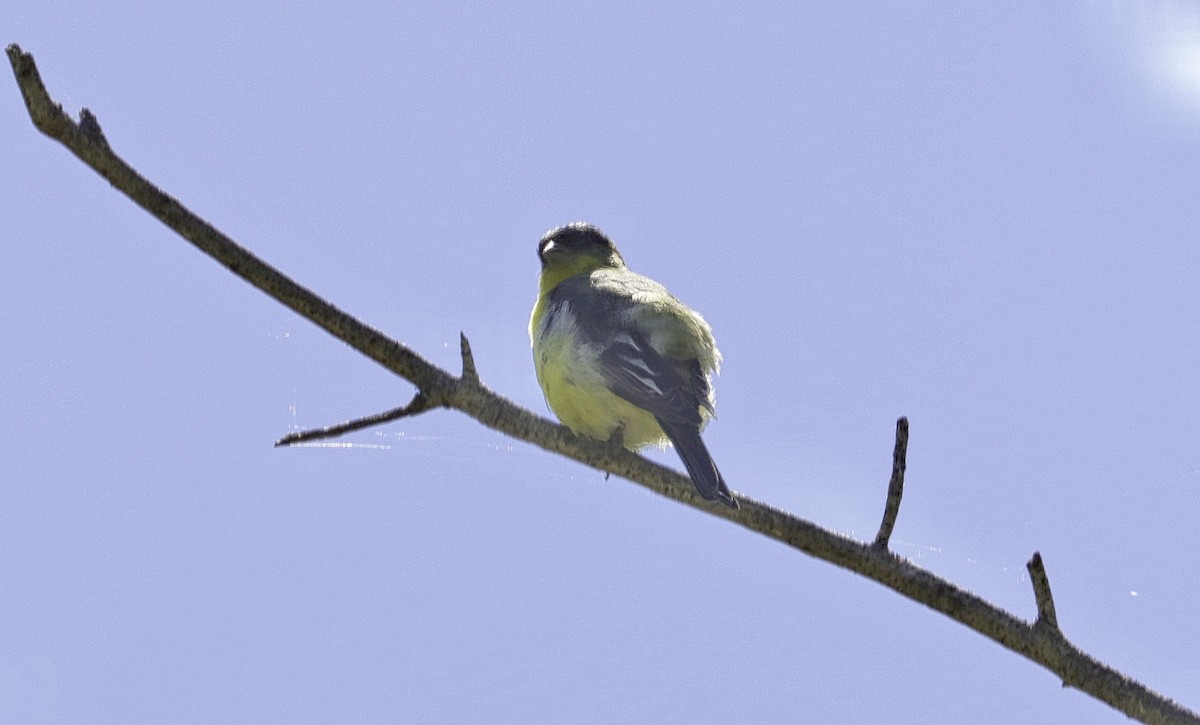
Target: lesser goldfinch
618 357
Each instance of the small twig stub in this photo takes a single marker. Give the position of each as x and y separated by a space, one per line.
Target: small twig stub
1041 593
891 508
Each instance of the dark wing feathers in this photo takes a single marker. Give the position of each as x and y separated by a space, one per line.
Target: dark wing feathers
637 373
672 390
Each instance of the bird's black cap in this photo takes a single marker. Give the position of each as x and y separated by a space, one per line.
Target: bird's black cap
577 238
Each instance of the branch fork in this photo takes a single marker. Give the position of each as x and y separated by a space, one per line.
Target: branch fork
423 400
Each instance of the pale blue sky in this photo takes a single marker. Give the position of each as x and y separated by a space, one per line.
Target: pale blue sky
979 216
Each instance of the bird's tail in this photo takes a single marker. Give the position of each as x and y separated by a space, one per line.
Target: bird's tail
699 463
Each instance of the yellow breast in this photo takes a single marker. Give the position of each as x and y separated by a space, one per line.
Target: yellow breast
569 374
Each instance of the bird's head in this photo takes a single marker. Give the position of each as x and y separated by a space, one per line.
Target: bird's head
573 249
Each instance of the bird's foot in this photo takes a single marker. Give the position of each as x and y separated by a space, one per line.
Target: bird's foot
616 441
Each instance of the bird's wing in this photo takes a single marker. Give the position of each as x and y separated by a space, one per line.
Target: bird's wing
621 328
666 388
624 330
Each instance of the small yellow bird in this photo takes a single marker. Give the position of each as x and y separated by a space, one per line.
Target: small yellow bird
621 359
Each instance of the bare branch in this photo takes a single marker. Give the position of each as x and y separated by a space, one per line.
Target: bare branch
85 141
90 127
895 486
469 374
419 404
1041 593
1043 645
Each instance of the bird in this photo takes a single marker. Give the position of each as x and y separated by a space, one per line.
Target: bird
621 359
